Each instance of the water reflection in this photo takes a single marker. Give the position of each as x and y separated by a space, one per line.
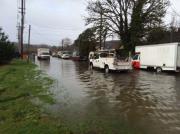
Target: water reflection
142 101
44 64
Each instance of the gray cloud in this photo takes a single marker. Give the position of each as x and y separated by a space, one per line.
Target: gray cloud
51 20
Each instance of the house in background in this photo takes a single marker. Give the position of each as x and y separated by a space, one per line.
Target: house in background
112 44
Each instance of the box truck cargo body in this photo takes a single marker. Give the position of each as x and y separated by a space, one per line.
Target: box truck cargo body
160 57
178 62
43 53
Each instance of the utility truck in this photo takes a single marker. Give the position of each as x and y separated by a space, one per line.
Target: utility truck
161 57
43 54
109 60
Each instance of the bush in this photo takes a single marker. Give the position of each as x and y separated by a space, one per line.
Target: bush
7 49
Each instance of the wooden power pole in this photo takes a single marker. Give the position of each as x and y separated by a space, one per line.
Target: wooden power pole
29 39
19 36
62 44
100 41
22 25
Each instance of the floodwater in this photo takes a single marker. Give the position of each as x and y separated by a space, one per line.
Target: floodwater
92 102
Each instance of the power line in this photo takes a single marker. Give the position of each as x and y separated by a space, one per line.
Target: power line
56 29
47 39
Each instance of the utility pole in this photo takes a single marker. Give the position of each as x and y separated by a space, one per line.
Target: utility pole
22 25
18 36
62 44
101 20
29 39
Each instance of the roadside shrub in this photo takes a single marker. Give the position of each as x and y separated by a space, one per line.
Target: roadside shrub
7 49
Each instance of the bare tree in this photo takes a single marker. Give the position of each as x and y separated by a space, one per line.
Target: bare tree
129 19
98 19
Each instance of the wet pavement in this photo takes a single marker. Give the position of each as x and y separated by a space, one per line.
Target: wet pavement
138 102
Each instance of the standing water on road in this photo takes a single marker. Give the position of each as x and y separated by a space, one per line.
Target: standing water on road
92 102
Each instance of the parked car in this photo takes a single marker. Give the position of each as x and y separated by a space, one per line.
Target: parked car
108 60
65 56
76 56
59 54
54 54
65 53
161 57
43 54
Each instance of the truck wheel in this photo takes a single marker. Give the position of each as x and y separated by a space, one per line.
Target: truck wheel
106 69
91 66
158 69
39 58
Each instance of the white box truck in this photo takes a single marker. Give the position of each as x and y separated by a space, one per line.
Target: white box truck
161 57
43 53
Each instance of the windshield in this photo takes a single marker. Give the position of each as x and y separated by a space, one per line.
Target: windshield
45 53
104 55
136 57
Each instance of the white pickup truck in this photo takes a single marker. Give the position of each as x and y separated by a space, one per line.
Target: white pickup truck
107 60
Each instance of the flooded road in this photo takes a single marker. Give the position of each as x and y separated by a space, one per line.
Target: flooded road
92 102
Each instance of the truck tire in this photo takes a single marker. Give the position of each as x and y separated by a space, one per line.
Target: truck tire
158 69
38 58
106 68
91 66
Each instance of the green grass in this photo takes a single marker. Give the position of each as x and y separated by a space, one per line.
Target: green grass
20 85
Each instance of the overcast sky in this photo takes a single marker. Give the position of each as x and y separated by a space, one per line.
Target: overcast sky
52 20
